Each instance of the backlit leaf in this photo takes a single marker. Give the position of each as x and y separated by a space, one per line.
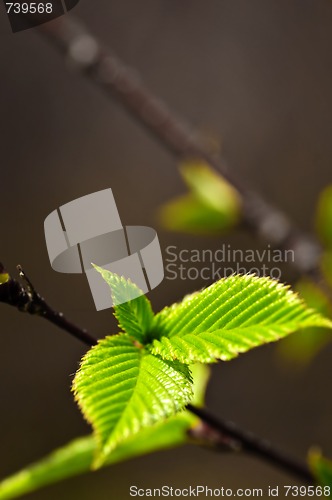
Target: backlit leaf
211 206
230 317
132 309
121 389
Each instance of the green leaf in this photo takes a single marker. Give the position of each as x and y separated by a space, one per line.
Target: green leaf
4 278
131 308
68 461
211 206
78 456
230 317
300 348
324 217
122 389
211 188
322 470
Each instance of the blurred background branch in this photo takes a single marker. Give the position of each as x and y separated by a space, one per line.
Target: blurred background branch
88 56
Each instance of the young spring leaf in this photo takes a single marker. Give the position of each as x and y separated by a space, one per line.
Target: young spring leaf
4 276
211 188
230 317
132 309
121 389
211 206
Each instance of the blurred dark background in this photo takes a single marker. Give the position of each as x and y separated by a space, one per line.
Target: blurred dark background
255 75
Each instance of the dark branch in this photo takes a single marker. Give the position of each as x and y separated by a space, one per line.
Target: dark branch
26 299
245 441
117 80
216 432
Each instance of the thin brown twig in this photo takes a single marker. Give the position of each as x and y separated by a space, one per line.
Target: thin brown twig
252 444
27 299
216 432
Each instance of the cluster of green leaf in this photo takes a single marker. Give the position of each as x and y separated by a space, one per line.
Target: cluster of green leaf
133 387
141 376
